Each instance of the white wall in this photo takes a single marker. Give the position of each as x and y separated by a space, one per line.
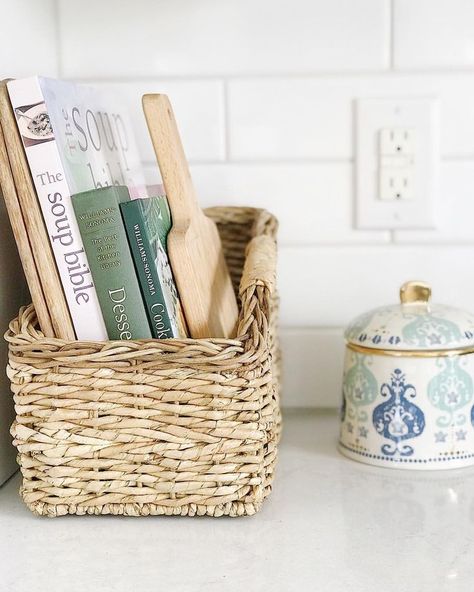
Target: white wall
264 92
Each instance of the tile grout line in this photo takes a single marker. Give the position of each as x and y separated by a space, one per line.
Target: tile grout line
386 244
226 120
58 38
256 76
392 34
460 158
265 162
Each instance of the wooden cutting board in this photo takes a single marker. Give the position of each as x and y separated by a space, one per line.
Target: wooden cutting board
33 221
194 245
7 186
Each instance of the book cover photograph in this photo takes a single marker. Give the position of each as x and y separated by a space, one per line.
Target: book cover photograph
34 124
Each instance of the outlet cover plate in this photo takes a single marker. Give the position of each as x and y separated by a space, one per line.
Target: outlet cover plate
372 117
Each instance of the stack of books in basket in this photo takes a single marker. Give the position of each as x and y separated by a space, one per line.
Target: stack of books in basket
92 236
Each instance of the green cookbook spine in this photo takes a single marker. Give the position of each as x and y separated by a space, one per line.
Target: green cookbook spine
137 224
105 241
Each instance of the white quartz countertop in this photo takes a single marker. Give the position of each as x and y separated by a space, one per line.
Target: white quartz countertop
331 524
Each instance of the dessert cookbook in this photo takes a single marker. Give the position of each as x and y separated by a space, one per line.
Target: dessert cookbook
105 241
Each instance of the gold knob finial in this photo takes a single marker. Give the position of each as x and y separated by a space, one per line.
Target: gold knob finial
415 292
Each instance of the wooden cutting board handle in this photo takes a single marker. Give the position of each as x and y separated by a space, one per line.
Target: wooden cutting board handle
194 245
171 158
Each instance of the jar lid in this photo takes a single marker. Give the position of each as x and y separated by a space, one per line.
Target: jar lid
413 325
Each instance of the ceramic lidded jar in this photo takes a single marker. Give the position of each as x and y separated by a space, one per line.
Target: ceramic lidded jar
408 388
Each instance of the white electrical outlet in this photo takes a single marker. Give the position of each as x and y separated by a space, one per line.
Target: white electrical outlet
397 163
397 141
396 183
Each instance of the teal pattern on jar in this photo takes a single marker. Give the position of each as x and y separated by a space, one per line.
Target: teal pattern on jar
450 390
360 388
426 330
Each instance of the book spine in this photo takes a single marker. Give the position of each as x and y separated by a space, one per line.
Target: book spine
142 252
105 240
55 201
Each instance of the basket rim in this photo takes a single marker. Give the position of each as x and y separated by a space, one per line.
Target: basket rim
258 299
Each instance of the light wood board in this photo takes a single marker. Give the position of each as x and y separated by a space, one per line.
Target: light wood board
8 188
34 224
194 245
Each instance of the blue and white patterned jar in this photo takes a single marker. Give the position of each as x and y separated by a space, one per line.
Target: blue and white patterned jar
408 388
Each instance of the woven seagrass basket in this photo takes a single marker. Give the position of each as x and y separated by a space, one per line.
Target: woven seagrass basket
176 427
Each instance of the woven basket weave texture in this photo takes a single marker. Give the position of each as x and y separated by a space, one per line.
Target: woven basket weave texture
175 427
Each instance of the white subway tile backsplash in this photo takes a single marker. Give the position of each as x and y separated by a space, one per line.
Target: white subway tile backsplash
263 92
163 38
198 106
312 367
314 202
433 33
328 286
291 118
312 118
455 208
27 38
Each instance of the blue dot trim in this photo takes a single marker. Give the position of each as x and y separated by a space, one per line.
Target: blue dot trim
405 459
